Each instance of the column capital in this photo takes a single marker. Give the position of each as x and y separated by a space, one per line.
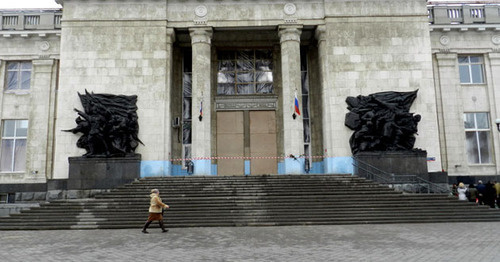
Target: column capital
494 58
201 35
320 33
446 59
170 35
43 62
289 33
43 65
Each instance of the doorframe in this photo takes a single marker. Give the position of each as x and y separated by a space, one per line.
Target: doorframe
247 103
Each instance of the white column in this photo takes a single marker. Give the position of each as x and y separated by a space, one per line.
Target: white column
201 135
170 39
324 76
494 94
293 136
452 114
42 95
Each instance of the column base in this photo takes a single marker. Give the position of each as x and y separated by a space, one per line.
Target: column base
338 165
293 166
203 168
155 168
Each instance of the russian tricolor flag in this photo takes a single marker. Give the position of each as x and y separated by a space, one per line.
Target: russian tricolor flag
297 110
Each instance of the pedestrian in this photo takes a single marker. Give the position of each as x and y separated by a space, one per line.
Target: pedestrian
155 211
497 189
454 190
472 193
461 191
489 195
480 192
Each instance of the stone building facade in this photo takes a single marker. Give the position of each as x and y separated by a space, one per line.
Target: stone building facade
241 65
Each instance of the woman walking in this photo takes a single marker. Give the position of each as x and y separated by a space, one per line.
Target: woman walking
155 211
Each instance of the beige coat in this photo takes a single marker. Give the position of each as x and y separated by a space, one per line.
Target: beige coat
156 205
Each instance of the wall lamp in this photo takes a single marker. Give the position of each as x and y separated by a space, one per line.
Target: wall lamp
497 121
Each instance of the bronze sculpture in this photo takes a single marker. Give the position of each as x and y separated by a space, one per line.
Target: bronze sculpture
382 121
108 125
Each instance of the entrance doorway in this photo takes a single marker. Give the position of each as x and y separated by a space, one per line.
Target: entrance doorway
246 134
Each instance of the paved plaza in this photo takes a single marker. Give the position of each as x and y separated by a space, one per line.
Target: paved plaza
401 242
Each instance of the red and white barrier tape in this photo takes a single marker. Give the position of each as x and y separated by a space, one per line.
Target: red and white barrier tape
242 157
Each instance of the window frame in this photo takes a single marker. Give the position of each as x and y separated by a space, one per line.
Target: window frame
20 71
15 139
469 66
187 108
476 130
232 57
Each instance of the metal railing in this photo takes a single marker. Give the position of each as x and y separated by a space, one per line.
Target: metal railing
463 14
406 183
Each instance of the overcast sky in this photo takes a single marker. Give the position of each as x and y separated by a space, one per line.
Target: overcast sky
6 4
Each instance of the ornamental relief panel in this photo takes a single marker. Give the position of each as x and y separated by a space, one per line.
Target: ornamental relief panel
268 103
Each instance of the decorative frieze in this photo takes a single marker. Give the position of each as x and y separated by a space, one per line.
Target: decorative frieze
495 39
246 103
200 11
444 40
290 9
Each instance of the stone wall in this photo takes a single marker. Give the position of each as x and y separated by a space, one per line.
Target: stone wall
454 99
36 104
363 47
109 47
369 47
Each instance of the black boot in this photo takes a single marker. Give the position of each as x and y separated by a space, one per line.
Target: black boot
145 227
162 226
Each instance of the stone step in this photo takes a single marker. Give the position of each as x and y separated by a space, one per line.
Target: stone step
192 202
118 203
262 200
235 209
164 191
365 213
203 221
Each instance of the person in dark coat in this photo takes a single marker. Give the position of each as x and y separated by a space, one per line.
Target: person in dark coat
472 193
489 195
496 185
480 192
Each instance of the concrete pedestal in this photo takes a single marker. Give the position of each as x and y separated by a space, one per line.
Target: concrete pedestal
102 173
394 162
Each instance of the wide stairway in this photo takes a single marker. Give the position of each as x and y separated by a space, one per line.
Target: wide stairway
198 201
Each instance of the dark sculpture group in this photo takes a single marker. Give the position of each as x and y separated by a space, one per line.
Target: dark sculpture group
382 121
108 125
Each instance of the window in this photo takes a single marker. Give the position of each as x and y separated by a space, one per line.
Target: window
305 102
18 75
478 138
13 148
245 72
7 198
187 100
471 69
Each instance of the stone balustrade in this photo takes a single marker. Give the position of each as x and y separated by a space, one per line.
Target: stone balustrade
438 15
464 14
18 20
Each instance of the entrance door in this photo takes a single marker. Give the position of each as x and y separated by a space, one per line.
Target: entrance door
250 134
263 142
230 143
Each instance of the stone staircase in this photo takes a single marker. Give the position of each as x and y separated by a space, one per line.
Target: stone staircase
197 201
